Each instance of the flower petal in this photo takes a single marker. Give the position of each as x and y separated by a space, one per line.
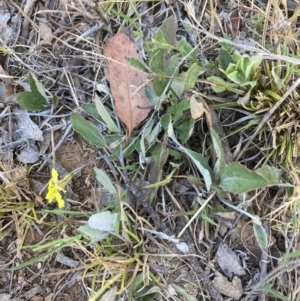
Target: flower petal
60 201
54 175
50 195
54 189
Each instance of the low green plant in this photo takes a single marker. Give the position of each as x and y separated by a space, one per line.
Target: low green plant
175 69
35 99
241 70
257 23
162 141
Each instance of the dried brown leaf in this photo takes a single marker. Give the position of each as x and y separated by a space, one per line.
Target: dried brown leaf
229 261
45 31
197 107
228 288
126 82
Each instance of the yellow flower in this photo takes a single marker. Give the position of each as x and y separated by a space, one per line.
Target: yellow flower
55 187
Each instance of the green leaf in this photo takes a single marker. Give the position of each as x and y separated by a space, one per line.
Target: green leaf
159 84
219 151
93 234
253 64
237 178
53 247
236 77
158 39
34 100
168 179
158 159
177 85
103 88
36 87
91 110
192 76
251 83
158 43
288 256
242 64
105 221
231 68
236 56
103 179
137 64
198 159
170 64
177 109
102 111
184 47
207 219
88 130
169 29
37 258
177 156
271 174
185 128
166 123
219 84
225 59
146 132
152 137
156 61
260 235
160 46
139 291
151 95
201 164
30 101
165 120
114 140
170 130
132 145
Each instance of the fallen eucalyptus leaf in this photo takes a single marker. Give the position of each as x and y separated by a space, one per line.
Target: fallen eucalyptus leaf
126 82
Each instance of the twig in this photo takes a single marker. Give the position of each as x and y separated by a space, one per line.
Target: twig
90 31
197 213
13 144
35 114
